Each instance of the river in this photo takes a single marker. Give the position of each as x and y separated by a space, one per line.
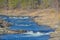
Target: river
35 31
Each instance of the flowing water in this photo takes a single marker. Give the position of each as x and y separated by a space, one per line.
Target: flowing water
35 31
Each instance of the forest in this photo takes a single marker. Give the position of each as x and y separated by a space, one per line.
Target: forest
25 4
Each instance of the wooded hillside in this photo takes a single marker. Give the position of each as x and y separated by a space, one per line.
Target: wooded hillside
26 4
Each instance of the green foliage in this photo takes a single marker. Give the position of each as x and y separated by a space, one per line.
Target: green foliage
46 3
26 3
1 3
12 3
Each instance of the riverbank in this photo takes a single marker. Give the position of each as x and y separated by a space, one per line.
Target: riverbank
45 16
48 17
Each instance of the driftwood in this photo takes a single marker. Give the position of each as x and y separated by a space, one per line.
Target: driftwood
14 31
6 31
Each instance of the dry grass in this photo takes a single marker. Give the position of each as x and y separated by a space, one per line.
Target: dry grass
56 35
46 16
